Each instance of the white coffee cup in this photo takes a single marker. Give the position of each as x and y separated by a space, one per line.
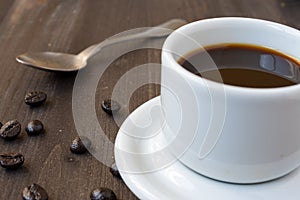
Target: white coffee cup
229 133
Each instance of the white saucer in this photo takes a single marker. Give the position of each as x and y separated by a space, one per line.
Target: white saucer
148 171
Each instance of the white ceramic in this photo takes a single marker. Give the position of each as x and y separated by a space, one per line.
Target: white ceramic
175 181
229 133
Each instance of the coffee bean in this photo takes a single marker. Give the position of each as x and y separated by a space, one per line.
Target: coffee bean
11 160
34 192
34 127
110 106
103 194
10 130
80 144
35 98
114 170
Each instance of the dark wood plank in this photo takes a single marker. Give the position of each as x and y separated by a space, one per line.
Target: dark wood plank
4 9
70 26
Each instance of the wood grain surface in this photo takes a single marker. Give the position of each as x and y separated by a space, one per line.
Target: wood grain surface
70 26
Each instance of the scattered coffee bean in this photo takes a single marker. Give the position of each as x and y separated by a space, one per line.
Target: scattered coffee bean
11 160
34 127
35 98
110 106
114 170
103 194
34 192
10 130
80 144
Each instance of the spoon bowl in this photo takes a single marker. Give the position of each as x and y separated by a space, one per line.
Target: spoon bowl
52 61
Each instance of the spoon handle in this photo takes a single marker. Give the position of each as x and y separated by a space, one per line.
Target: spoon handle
157 31
87 53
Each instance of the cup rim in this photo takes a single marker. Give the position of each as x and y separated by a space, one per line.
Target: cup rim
229 88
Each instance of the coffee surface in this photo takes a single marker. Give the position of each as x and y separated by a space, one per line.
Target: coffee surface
243 65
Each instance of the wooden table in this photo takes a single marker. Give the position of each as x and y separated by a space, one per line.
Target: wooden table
70 26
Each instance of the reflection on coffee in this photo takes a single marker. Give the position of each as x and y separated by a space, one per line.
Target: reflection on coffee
244 65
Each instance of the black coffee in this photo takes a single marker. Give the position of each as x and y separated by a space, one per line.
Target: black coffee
243 65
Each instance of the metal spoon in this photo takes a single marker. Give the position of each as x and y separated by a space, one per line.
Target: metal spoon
54 61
